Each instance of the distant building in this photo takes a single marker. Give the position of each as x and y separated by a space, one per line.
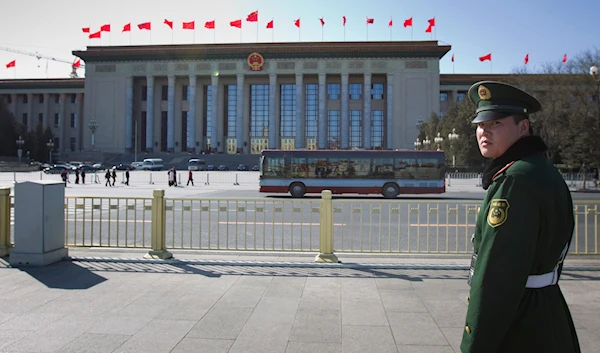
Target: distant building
242 98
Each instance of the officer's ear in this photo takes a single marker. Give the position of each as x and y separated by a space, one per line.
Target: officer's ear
524 125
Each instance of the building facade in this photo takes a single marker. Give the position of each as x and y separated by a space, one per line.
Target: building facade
242 98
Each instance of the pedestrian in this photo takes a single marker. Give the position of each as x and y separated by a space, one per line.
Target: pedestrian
171 176
64 177
127 177
522 234
107 176
190 178
76 176
83 176
114 175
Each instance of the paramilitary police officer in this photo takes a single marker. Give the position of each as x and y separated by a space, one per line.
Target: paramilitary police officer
522 235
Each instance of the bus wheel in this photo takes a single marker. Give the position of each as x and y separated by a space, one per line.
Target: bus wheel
297 190
390 191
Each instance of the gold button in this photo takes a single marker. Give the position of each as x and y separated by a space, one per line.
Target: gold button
468 298
467 329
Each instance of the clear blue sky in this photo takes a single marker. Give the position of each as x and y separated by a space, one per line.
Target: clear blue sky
508 29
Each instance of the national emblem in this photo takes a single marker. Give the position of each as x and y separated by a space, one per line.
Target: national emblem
498 213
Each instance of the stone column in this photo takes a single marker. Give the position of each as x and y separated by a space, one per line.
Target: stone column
367 111
61 123
239 112
390 109
191 117
322 133
214 119
30 124
149 113
300 116
273 111
171 114
13 99
129 115
79 122
46 113
345 118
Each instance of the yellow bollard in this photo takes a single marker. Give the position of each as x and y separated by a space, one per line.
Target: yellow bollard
326 229
4 221
159 216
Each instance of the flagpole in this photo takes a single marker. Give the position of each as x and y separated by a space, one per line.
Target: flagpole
273 33
491 66
367 24
412 29
194 34
344 33
129 32
215 36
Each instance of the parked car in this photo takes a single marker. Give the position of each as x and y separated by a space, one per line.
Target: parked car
87 168
210 167
122 166
255 168
57 169
137 165
242 167
223 167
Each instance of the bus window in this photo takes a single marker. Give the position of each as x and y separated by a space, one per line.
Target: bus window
274 166
383 168
299 167
358 167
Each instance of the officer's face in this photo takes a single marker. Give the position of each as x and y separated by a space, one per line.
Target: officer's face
496 136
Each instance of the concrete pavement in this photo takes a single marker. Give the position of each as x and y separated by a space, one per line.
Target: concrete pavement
105 300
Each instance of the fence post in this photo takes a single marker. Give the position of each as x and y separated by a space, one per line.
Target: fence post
150 178
326 229
449 178
159 249
207 180
4 221
236 179
479 182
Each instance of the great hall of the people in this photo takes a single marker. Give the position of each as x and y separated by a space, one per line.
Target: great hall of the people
241 98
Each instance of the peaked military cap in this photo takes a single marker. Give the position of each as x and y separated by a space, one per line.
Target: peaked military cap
497 100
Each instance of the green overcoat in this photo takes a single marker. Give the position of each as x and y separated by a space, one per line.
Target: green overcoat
523 225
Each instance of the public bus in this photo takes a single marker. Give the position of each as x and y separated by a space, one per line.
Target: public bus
385 172
196 164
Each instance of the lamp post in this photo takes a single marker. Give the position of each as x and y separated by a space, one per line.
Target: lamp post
438 141
426 143
20 143
50 145
453 136
93 125
417 144
594 73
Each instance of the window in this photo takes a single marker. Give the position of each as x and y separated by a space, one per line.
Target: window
164 93
441 115
184 93
231 109
144 93
259 111
56 119
72 143
356 129
377 91
41 118
288 110
25 119
443 97
73 98
25 98
333 129
73 120
333 91
377 124
460 96
355 91
41 98
312 110
57 98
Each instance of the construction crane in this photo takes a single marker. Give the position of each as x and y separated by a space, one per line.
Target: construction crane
76 64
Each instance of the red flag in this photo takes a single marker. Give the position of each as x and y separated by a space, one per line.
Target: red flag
428 30
127 28
297 23
370 21
270 24
343 20
486 57
390 24
86 29
105 28
77 63
145 25
322 22
564 58
11 64
169 23
431 21
408 23
526 60
252 17
236 23
210 24
452 57
189 25
96 35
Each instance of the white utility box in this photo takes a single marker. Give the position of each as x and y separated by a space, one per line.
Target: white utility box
39 231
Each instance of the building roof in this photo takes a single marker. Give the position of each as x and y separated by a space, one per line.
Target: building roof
40 83
240 51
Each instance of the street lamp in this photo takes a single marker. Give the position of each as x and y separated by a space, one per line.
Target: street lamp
417 144
93 125
426 143
20 143
453 136
438 140
50 145
594 73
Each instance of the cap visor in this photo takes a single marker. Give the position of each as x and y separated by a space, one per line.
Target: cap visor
489 116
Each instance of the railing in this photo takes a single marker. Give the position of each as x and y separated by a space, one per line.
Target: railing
321 225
